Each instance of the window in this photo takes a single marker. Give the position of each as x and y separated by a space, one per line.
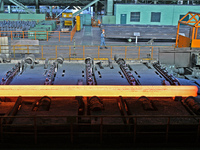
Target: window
135 17
185 19
155 16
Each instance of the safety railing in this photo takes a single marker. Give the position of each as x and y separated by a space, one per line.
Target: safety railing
40 35
127 125
80 52
37 20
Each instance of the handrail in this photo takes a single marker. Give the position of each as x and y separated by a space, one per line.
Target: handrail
40 35
50 51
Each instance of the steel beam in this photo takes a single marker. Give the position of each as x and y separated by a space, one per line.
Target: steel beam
20 5
90 4
62 11
101 91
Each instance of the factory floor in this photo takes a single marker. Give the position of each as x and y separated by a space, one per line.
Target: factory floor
91 36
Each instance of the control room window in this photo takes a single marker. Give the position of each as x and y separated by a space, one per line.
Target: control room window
155 16
135 17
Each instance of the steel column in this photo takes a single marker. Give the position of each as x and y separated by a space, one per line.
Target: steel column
9 9
177 34
37 6
109 7
96 11
1 6
90 4
51 14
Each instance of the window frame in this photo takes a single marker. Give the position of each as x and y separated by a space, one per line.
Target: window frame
155 18
135 15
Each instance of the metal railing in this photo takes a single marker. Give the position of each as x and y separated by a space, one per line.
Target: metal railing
130 122
40 35
73 32
80 52
37 20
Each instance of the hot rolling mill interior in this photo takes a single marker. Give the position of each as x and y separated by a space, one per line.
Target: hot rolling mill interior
107 93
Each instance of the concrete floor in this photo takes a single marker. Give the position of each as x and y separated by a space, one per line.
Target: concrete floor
91 36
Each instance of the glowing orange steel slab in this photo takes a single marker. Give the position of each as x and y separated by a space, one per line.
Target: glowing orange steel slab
103 91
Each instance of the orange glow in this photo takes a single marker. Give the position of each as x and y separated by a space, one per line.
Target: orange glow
102 91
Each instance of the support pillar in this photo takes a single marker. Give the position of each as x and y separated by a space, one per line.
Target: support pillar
96 11
105 8
1 6
109 7
9 9
51 14
57 11
91 11
37 6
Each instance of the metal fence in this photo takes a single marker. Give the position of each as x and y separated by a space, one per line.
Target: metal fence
40 35
80 52
132 123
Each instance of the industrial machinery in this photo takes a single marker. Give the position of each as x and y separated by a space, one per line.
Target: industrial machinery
67 22
91 97
40 31
78 23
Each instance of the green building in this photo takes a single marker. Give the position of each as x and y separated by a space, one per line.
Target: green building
147 14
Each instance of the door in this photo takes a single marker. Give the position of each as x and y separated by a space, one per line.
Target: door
123 19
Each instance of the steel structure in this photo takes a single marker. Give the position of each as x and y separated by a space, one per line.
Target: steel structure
193 22
85 2
54 2
20 5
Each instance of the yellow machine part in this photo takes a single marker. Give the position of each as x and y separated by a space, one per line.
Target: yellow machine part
78 23
67 15
68 23
195 43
